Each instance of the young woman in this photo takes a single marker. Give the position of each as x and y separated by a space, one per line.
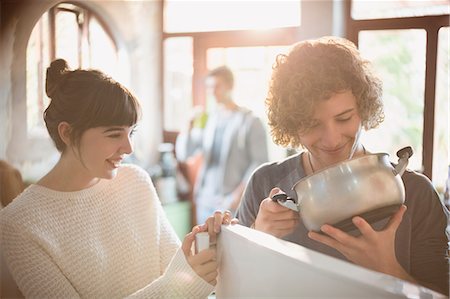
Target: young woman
322 94
92 227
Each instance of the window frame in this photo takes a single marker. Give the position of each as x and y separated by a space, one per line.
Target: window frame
83 36
431 25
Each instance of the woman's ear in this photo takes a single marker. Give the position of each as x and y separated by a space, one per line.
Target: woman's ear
64 131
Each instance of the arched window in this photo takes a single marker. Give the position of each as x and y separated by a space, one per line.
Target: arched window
70 32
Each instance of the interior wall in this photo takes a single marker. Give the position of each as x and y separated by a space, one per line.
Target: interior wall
135 26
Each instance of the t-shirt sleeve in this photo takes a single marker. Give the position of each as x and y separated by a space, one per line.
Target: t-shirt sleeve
429 248
252 198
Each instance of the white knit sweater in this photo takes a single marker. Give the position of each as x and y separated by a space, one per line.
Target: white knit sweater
111 240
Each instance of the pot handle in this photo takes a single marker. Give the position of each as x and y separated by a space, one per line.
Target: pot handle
403 158
285 201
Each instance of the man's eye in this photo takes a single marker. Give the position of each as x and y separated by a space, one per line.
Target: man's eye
344 119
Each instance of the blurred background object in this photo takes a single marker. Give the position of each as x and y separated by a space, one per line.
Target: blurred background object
11 183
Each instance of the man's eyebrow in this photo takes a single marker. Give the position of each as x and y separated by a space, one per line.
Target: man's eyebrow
345 112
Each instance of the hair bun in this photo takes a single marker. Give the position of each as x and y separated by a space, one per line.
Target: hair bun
55 74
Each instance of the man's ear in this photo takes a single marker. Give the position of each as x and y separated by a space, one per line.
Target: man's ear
64 131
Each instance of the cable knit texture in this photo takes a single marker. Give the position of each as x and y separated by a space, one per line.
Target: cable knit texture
111 240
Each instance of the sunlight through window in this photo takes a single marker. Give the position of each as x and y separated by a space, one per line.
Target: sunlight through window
214 15
399 59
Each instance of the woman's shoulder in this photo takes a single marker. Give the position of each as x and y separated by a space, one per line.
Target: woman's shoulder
132 170
134 177
21 207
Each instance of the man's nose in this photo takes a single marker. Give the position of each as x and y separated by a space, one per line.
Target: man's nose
331 137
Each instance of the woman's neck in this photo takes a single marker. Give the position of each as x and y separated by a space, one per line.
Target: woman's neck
68 176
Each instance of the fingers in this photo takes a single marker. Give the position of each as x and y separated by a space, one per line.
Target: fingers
189 240
205 265
396 219
336 234
285 224
324 239
274 218
274 191
218 216
226 217
214 222
206 268
364 227
211 278
203 257
270 206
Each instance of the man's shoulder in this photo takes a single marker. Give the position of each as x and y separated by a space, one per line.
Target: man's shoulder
280 167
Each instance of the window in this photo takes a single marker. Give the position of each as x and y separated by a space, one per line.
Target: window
362 9
198 16
178 71
441 149
398 57
74 34
408 43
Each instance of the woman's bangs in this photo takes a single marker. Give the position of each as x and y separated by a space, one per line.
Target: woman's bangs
117 107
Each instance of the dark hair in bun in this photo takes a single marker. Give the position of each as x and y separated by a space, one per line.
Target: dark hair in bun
55 74
85 99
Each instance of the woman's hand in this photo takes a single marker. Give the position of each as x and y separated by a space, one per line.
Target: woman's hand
372 249
204 263
275 219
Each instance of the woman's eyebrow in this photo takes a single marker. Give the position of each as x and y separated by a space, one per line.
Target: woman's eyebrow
113 129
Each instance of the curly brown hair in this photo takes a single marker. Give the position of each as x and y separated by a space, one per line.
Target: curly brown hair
312 71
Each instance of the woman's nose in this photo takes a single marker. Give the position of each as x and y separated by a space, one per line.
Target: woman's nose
127 146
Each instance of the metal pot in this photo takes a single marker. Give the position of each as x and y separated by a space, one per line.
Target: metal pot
368 186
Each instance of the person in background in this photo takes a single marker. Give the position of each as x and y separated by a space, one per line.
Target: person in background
232 144
11 183
322 93
93 227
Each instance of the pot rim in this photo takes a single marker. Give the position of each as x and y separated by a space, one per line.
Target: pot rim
365 156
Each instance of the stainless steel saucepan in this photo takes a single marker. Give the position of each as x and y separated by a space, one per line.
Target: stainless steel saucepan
368 186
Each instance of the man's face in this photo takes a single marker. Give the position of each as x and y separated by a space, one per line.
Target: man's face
220 89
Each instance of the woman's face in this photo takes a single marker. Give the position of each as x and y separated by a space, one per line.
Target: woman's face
102 150
335 124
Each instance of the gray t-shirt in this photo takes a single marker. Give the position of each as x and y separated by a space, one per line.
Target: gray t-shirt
421 243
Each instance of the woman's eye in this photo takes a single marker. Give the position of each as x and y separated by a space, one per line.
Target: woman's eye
132 132
114 136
